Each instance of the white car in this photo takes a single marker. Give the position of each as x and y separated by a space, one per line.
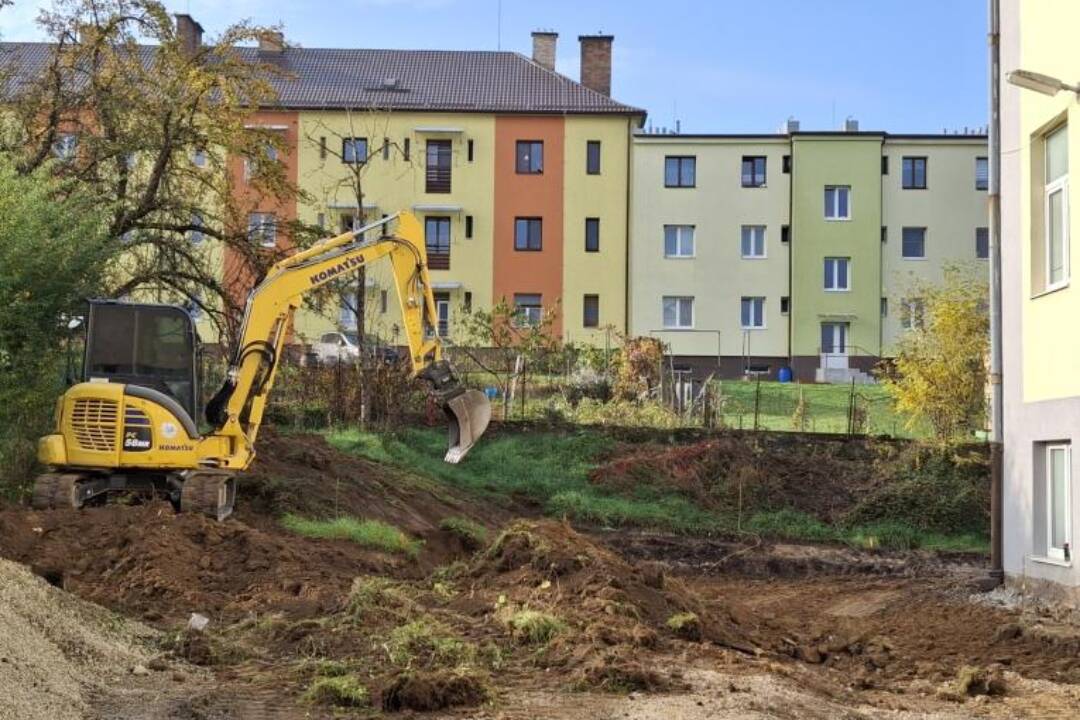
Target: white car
333 347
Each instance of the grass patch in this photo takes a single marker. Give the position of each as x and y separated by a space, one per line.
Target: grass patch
549 468
340 690
427 643
369 533
686 625
373 596
473 535
534 627
795 525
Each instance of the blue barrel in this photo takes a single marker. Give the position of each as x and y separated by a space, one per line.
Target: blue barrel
491 392
784 375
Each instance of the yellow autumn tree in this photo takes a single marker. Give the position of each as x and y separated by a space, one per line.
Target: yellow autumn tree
939 371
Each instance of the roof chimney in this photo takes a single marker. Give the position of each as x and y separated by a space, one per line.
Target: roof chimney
189 32
271 41
544 48
596 62
851 125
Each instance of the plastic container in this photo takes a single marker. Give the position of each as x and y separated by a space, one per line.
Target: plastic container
784 375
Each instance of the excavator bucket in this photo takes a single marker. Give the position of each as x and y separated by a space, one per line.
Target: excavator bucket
468 414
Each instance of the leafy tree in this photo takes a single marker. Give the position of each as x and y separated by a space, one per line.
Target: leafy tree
939 372
153 128
639 368
54 254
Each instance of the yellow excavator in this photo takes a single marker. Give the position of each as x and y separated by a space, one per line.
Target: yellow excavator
130 423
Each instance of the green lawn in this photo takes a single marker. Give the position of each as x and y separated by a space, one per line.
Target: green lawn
551 469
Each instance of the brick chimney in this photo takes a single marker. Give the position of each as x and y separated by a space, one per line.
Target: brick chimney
544 48
190 33
272 41
596 62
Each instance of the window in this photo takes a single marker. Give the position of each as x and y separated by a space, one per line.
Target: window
406 149
837 202
354 150
528 309
753 241
270 154
884 164
982 174
592 157
592 234
884 307
437 241
530 157
884 234
680 171
678 241
913 243
198 157
322 147
528 234
591 311
785 233
347 222
982 243
1056 209
382 301
467 305
753 171
320 220
785 165
911 313
442 313
914 173
65 145
1058 496
263 228
678 312
753 313
837 277
196 235
785 305
468 226
437 172
469 151
346 315
386 148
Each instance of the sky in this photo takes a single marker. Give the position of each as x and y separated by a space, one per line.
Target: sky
726 66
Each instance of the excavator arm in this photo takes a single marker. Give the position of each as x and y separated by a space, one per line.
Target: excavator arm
237 409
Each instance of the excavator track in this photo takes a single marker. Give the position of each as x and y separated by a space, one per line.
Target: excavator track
209 494
56 491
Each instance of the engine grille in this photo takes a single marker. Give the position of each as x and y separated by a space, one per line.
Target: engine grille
94 424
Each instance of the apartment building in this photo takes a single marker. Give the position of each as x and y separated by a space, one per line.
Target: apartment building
1039 141
752 253
518 174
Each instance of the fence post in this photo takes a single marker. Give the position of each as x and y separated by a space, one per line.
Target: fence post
757 401
851 409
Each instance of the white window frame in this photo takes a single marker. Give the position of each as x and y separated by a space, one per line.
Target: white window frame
754 316
265 219
442 317
65 146
680 237
836 216
196 236
925 231
199 157
528 315
912 313
753 237
679 320
1051 551
836 275
1060 185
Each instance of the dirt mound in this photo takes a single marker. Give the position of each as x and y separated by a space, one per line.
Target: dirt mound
427 691
544 574
59 655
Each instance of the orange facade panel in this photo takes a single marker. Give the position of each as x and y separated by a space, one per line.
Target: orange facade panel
529 184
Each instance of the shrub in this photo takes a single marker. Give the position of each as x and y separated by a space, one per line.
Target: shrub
427 643
340 690
370 597
686 625
534 627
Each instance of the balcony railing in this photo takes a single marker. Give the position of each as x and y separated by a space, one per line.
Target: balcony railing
438 260
438 179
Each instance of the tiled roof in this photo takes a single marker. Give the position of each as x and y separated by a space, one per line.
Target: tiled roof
447 80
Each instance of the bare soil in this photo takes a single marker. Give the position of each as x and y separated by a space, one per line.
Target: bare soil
640 625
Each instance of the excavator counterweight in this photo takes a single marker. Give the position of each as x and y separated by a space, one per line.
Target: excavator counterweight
131 422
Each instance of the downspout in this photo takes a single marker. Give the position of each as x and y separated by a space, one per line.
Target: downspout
626 254
791 257
997 417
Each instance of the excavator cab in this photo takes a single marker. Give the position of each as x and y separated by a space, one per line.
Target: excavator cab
151 346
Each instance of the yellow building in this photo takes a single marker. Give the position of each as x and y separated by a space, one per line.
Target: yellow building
518 174
1040 137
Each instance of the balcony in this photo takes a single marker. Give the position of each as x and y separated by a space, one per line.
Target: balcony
438 260
438 178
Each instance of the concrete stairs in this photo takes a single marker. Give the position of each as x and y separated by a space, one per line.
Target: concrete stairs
843 376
